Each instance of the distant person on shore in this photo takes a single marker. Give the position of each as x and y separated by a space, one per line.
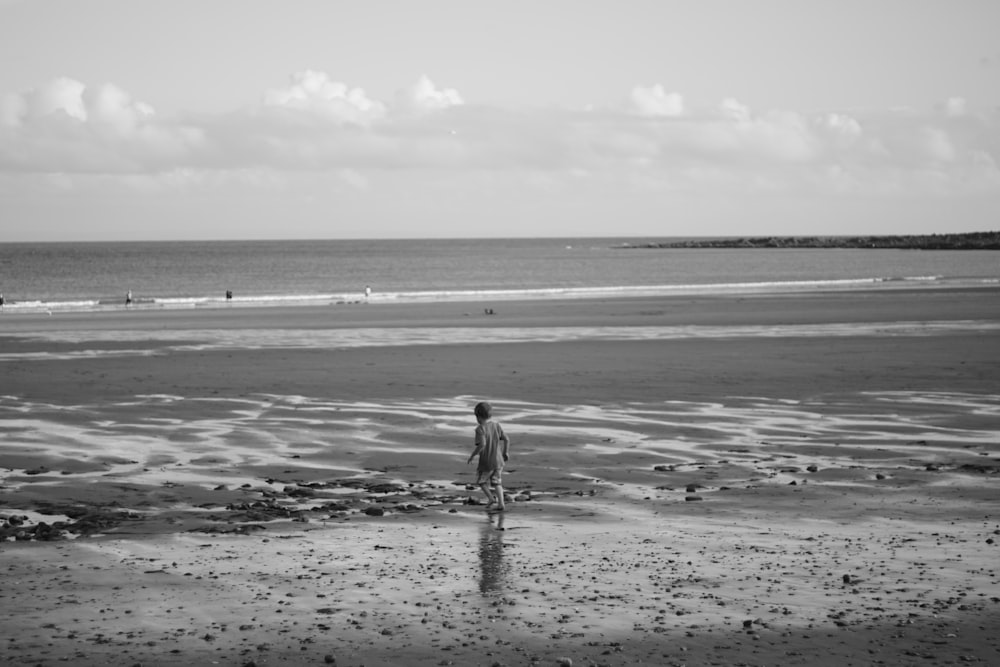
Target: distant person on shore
2 302
128 299
492 448
229 295
368 293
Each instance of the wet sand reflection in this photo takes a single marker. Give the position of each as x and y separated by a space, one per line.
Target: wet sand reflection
493 567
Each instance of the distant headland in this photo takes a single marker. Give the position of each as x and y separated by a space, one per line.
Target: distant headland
967 241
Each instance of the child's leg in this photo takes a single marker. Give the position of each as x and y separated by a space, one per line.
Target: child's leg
485 486
498 493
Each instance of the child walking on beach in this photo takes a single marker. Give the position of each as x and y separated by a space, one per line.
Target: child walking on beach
492 448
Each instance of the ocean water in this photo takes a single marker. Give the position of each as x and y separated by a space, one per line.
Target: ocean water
96 276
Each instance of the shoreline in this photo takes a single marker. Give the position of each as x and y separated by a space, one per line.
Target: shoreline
800 500
814 306
561 293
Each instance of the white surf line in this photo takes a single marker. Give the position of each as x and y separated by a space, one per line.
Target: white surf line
234 339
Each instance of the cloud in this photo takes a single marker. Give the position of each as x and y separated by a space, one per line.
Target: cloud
68 99
113 107
656 101
423 95
314 92
734 110
846 129
60 96
64 125
955 106
655 140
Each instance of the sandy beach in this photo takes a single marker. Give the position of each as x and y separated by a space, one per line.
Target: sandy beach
785 479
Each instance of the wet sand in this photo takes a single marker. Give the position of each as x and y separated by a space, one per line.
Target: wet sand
786 479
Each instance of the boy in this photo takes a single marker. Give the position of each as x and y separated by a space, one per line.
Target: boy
492 447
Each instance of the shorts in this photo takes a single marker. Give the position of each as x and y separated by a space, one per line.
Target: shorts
491 477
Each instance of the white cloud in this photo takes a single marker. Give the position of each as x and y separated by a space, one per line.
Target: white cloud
955 106
61 95
316 124
316 93
937 145
656 101
66 126
114 107
845 129
734 110
423 95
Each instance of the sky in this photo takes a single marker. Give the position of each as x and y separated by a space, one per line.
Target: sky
265 119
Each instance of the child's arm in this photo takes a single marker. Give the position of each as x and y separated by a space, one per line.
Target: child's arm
506 445
479 445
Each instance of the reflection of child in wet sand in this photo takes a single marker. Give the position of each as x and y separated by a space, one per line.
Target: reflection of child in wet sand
492 448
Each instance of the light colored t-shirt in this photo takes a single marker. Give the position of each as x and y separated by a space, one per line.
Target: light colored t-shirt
494 444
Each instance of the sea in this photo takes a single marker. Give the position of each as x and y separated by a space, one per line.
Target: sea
96 276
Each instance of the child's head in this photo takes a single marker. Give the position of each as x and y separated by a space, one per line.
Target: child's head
483 411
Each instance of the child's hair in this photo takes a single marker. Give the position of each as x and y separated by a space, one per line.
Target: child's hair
484 410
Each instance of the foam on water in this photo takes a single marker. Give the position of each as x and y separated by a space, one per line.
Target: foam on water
488 295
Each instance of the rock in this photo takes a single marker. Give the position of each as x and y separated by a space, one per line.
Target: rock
565 662
374 511
812 468
409 507
692 498
692 488
385 488
329 659
336 507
